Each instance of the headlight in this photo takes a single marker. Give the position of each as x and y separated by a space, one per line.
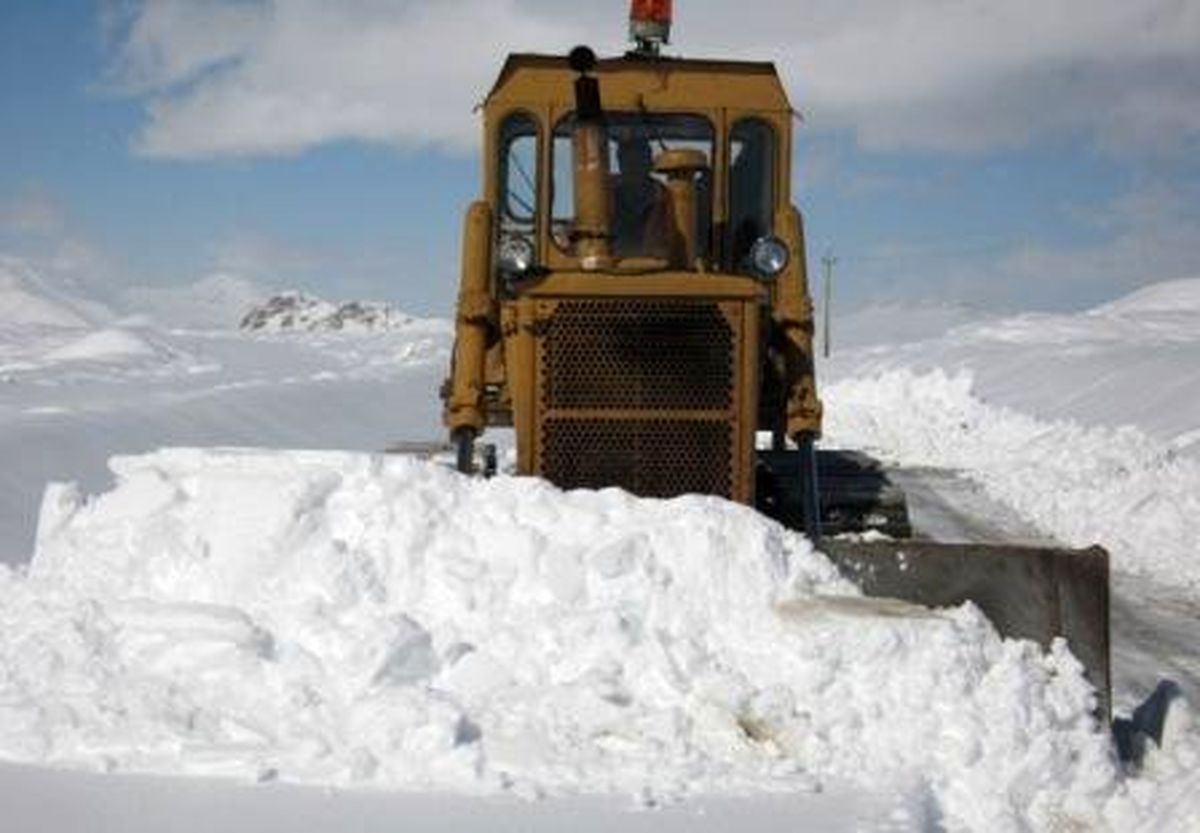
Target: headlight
768 256
514 254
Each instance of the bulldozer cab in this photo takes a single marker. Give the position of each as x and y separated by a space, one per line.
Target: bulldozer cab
717 131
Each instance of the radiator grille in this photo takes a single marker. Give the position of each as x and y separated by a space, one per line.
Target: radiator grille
638 353
649 457
638 393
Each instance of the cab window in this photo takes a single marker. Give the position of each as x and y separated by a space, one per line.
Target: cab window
640 210
751 186
518 175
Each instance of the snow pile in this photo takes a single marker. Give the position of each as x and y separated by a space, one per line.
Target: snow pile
1137 497
217 301
340 618
295 311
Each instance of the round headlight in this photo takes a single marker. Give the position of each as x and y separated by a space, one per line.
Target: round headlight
514 254
768 256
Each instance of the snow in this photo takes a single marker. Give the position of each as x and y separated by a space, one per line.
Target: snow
34 318
82 802
1082 485
1132 362
355 619
111 344
1172 297
333 619
72 398
25 304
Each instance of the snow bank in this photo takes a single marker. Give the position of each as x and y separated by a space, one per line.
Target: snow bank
1117 487
339 618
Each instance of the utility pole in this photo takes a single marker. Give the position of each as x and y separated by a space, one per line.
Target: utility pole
828 261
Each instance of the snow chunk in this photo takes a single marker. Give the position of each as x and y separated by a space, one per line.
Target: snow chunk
343 618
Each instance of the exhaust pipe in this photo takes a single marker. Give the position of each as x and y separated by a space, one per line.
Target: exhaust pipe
592 236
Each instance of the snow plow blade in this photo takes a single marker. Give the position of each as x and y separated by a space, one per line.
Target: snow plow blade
1027 592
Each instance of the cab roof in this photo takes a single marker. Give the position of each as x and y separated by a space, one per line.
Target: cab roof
633 81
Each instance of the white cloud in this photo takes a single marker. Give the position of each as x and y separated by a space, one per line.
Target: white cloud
167 42
977 74
251 77
309 72
31 212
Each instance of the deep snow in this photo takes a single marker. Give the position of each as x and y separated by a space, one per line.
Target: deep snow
1029 407
349 619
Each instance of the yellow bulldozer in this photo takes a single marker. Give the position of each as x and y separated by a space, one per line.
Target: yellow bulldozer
634 304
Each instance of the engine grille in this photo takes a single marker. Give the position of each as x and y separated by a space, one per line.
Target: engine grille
638 393
638 354
649 457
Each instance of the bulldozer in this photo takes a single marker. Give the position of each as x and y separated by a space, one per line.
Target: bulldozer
634 305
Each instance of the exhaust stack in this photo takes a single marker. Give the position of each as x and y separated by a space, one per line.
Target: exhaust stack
592 235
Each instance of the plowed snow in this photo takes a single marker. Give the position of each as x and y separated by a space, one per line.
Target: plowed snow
339 618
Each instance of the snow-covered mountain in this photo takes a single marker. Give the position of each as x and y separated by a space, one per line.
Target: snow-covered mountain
46 332
28 302
217 301
1133 361
298 312
1177 297
898 323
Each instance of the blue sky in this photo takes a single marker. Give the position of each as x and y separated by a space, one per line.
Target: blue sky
1039 156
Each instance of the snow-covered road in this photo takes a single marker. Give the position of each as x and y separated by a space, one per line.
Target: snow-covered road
77 802
1155 627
